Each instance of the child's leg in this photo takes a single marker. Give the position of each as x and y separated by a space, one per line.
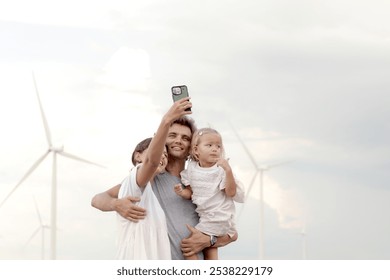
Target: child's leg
210 253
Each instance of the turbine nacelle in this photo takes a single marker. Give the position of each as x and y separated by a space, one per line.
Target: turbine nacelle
56 149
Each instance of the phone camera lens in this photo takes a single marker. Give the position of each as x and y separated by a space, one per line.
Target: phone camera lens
176 90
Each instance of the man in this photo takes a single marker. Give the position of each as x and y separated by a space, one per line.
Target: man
180 213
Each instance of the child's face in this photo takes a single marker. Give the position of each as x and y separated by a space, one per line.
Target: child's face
140 156
209 149
163 162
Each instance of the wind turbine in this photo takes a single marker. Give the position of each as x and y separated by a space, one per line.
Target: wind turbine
259 171
304 254
54 150
41 228
303 235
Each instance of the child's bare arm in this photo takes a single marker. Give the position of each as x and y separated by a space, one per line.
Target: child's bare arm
185 193
230 186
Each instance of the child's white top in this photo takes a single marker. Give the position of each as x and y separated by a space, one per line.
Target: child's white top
147 239
215 209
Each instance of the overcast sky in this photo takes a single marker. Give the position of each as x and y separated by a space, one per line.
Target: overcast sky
304 83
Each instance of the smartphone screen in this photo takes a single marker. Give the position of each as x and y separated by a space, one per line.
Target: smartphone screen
179 92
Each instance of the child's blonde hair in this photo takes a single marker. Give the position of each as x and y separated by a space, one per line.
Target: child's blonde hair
197 137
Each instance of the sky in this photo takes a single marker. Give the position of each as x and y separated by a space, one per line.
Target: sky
304 84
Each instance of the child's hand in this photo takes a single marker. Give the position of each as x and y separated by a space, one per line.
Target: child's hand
178 189
224 163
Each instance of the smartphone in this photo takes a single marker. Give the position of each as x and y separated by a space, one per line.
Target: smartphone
179 92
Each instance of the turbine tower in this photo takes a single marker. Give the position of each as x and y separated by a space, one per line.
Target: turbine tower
41 228
259 171
59 150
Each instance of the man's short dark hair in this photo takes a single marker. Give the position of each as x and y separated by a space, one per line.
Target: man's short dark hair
186 121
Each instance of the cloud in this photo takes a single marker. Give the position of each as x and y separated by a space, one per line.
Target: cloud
57 14
127 70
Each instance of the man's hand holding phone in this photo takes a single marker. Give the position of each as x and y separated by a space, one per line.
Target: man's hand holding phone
178 109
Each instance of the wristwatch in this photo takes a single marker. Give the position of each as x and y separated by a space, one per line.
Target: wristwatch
213 240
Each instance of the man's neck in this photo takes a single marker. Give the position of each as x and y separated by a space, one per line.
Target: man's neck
175 166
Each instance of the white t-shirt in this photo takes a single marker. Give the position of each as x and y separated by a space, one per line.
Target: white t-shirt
216 210
147 239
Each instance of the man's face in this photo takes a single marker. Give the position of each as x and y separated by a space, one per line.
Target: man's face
179 141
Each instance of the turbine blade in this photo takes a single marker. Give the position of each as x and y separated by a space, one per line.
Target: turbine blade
45 124
245 148
32 168
252 182
277 164
38 213
32 236
79 159
240 212
247 193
